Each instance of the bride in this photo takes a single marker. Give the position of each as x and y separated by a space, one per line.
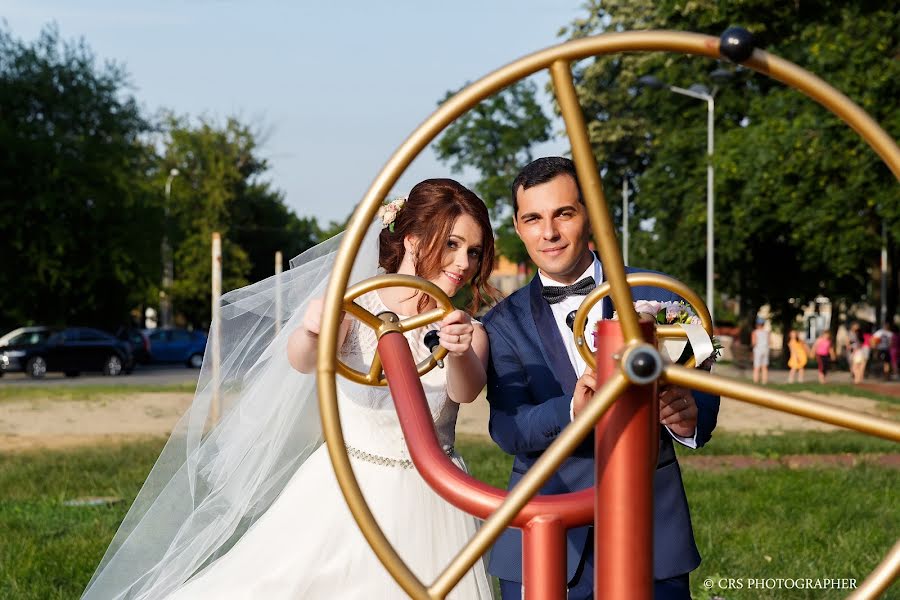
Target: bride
251 508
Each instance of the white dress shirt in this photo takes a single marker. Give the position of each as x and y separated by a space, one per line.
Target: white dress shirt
562 309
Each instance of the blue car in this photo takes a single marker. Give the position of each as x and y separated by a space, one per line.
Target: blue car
177 346
71 350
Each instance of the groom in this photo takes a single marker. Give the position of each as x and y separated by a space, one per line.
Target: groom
538 383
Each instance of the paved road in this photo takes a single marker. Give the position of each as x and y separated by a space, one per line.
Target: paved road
142 375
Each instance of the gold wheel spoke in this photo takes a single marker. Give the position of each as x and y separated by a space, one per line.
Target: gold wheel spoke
781 401
375 370
881 578
595 201
426 318
384 323
670 332
362 315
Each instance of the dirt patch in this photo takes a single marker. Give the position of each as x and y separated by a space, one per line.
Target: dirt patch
742 417
49 423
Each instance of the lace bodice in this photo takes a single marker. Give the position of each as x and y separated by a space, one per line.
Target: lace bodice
368 417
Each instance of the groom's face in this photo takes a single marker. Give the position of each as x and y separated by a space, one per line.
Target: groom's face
553 225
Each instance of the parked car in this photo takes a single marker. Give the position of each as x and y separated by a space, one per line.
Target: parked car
177 346
71 350
139 341
26 335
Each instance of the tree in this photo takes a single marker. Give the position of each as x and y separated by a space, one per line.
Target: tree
217 172
82 208
80 239
495 138
262 224
800 197
221 187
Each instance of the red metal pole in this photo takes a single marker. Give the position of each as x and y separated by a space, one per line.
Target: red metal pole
457 487
626 446
544 558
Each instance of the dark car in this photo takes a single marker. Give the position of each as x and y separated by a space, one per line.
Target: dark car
23 336
71 350
139 342
177 346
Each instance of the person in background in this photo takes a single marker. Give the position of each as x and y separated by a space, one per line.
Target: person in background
882 345
759 339
824 352
857 354
799 355
894 349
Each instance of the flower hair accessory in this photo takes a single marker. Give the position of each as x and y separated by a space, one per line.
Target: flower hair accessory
388 212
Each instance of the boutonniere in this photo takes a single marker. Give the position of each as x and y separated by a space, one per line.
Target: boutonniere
698 344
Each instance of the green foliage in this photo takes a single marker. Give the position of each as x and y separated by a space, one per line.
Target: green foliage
82 207
219 188
80 239
262 224
495 138
799 196
81 204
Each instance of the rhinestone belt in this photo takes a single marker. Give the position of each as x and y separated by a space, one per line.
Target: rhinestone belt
403 463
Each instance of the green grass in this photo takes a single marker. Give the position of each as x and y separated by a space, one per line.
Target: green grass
783 523
49 550
795 442
809 523
12 393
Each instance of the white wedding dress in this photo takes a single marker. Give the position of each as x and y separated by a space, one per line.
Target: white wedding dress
308 546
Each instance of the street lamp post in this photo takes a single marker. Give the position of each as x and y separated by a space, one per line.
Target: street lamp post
168 275
625 220
701 93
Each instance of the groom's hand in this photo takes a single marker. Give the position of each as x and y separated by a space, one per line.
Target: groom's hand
678 410
584 390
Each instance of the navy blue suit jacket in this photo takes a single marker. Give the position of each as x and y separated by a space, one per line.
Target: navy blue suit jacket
530 388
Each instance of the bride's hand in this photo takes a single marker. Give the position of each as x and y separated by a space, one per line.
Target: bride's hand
312 319
456 332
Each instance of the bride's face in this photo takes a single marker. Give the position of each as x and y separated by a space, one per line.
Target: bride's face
462 256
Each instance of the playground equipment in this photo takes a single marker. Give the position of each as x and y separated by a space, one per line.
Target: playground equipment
623 411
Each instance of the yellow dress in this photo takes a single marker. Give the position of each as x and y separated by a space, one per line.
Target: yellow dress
798 354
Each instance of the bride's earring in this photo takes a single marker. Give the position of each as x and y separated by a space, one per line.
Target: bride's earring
411 249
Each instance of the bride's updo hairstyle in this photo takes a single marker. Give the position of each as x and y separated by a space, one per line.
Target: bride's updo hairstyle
429 214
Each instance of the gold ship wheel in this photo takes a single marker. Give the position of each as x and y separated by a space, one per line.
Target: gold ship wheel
662 331
557 60
388 321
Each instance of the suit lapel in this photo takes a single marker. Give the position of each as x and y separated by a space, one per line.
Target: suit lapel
607 302
549 340
607 307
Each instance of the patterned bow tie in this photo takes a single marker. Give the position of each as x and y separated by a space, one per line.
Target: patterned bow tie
558 293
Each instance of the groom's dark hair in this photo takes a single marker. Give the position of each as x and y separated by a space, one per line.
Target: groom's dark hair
541 171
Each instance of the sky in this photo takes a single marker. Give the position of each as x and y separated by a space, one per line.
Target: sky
333 86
